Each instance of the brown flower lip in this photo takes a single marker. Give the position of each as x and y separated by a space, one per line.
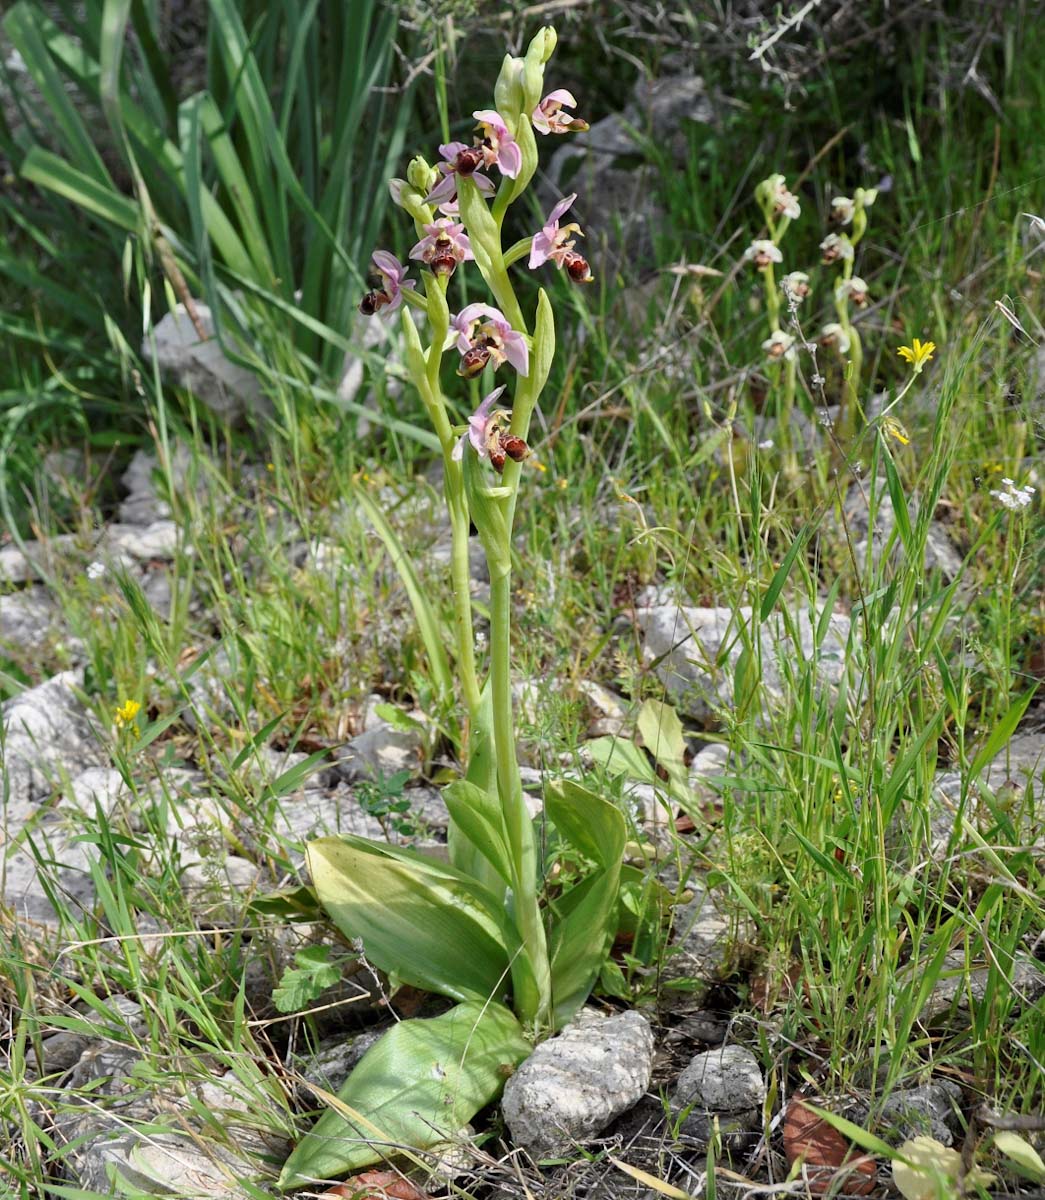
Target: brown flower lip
473 361
577 267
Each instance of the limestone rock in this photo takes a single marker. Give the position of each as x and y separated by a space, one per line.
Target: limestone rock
724 1084
575 1084
698 650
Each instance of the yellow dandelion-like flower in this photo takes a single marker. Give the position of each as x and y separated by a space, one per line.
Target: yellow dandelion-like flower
918 353
126 713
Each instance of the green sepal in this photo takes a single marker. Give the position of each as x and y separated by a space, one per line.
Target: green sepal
584 919
422 919
417 1087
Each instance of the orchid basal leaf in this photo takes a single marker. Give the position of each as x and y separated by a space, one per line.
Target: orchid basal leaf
584 919
478 815
416 1087
424 921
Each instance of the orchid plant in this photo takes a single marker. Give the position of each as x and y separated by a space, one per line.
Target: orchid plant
779 208
475 927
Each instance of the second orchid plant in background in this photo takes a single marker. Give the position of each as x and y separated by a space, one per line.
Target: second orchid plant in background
476 928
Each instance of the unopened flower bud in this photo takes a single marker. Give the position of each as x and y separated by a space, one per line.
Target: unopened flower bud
508 90
421 176
865 197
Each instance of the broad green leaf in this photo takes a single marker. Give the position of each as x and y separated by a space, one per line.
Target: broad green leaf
584 920
1021 1153
662 736
429 924
479 816
417 1086
621 757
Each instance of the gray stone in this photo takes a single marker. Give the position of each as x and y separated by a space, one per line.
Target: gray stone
202 366
159 540
724 1085
35 560
50 858
959 988
597 163
321 812
103 1141
577 1083
146 485
379 752
712 761
27 619
932 1110
697 651
608 712
47 732
335 1059
940 553
703 939
1014 771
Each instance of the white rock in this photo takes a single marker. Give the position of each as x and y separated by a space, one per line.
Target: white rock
26 620
713 760
202 368
940 552
726 1084
47 729
157 540
36 560
575 1084
703 939
379 752
144 482
54 839
697 650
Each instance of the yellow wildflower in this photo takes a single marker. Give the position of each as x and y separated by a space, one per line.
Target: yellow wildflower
918 353
126 713
895 430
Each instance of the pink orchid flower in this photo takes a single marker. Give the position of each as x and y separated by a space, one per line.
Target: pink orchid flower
495 341
479 428
554 241
459 160
444 245
499 146
389 296
548 116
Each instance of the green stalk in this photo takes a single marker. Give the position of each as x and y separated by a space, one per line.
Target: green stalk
531 977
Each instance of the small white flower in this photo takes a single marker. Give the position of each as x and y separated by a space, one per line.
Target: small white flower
95 570
842 209
780 345
836 247
853 289
762 252
766 445
833 335
1014 498
795 285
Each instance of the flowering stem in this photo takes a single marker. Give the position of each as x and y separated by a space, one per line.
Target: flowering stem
531 973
